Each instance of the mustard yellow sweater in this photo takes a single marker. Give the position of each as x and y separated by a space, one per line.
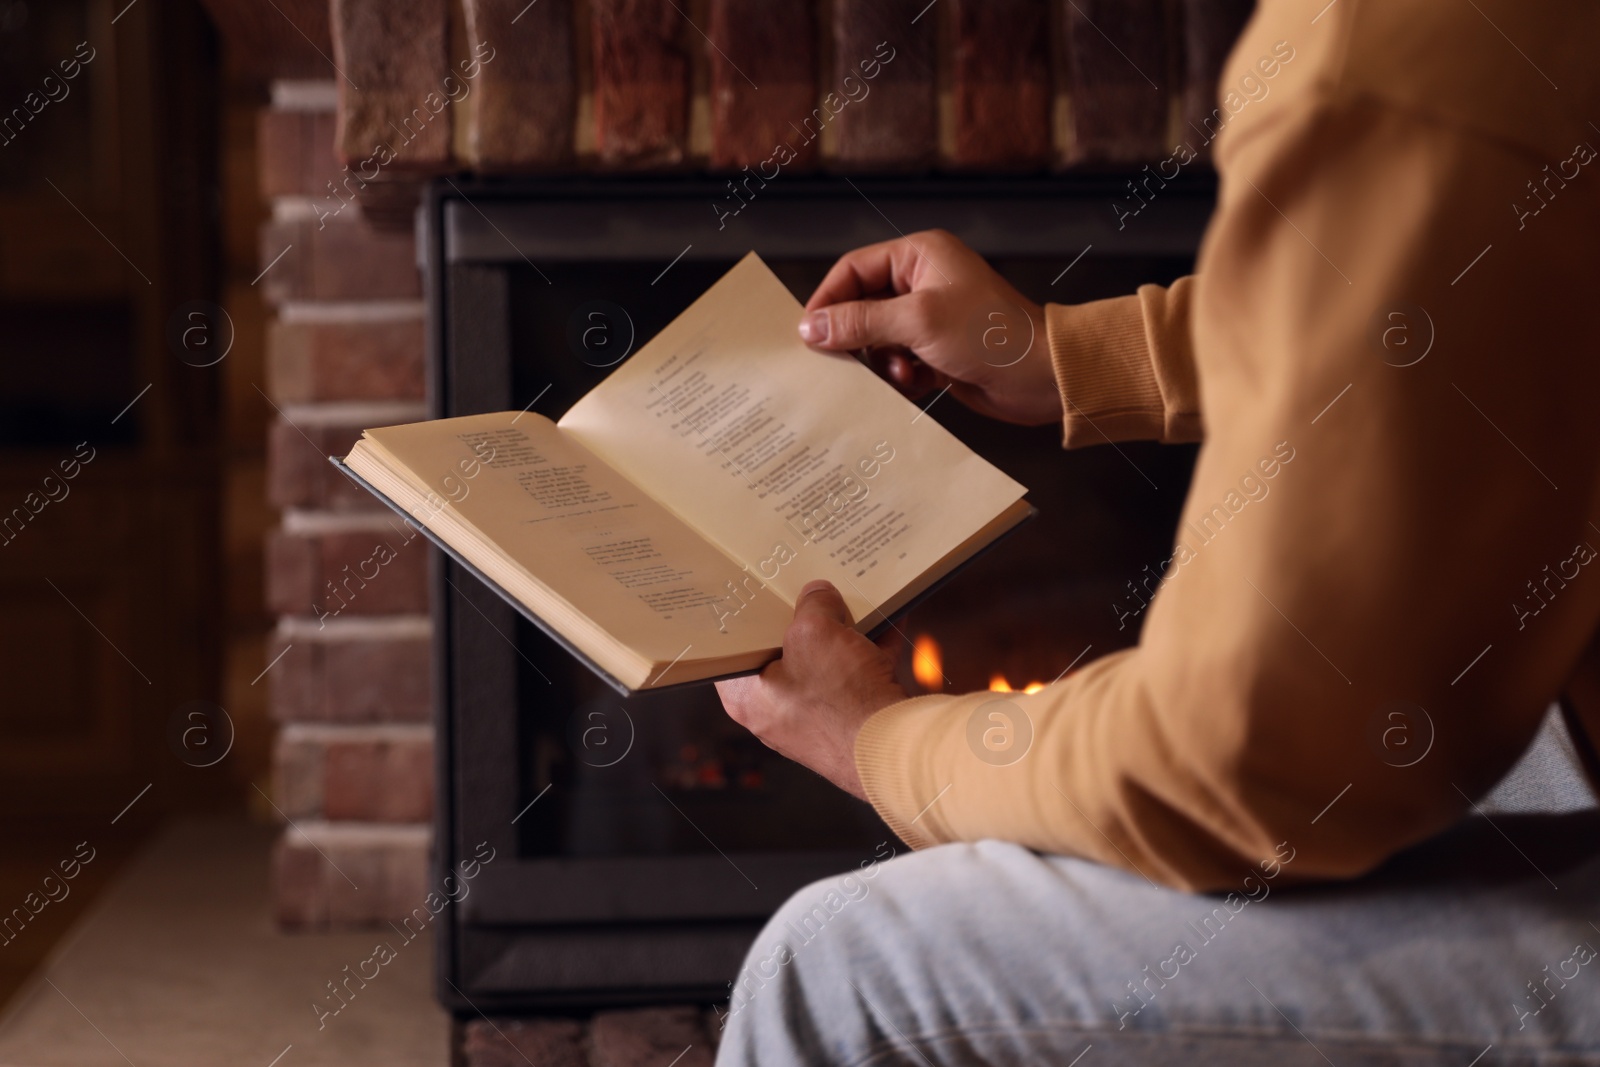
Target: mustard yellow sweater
1392 326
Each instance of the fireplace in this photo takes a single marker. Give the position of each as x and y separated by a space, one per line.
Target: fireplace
640 842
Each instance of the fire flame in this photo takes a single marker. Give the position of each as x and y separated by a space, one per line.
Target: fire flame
998 684
927 667
927 663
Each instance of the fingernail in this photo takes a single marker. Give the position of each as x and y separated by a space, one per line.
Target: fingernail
814 328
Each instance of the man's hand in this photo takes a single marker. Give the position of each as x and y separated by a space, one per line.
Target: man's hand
935 314
810 704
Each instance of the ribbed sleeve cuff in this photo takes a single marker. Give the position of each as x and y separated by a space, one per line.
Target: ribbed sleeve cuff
1109 390
889 749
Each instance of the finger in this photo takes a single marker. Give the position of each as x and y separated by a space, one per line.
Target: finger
738 696
901 320
914 377
900 369
881 361
736 688
892 266
820 600
894 366
860 273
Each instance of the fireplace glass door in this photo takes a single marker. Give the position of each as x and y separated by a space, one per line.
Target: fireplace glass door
640 841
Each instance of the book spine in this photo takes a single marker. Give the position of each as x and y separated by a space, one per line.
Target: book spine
763 78
888 46
1000 84
1118 90
525 97
1210 28
641 83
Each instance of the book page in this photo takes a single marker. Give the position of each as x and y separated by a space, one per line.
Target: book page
798 463
564 519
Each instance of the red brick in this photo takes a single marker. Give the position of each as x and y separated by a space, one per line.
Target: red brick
896 127
396 52
649 1036
296 681
352 670
1000 84
298 471
362 358
294 152
337 572
388 677
283 39
390 203
292 572
383 779
519 1042
355 773
299 442
1210 28
348 875
775 44
298 773
1116 81
641 82
525 101
337 258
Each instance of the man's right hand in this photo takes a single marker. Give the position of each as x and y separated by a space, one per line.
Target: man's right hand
933 313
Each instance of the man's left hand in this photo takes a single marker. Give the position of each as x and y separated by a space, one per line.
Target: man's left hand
810 704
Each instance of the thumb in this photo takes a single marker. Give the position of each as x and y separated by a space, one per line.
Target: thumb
820 600
853 324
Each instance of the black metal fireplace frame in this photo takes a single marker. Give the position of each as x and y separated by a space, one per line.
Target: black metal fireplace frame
558 918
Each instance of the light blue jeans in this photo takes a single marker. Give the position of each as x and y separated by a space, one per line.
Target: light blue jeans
1477 948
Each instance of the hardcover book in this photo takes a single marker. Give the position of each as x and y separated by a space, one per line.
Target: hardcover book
663 528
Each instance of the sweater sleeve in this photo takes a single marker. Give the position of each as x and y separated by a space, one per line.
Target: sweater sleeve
1375 588
1125 367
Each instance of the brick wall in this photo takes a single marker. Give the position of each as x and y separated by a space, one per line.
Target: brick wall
353 774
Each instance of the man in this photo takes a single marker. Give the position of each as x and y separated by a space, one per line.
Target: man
1390 320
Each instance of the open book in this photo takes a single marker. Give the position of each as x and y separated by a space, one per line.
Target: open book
665 526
